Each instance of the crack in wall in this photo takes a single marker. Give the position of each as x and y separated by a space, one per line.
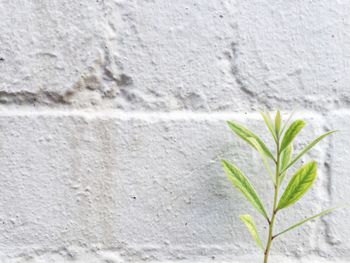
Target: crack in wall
99 82
32 98
252 97
269 98
329 236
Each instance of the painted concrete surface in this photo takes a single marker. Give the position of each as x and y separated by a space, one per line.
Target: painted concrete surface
112 126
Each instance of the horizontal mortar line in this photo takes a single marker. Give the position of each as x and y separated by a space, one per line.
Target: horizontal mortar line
145 115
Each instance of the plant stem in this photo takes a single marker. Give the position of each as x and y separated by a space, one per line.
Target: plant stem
274 210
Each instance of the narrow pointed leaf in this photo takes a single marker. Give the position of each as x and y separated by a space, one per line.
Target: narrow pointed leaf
244 133
307 148
278 121
287 121
290 134
241 182
307 220
285 159
269 124
250 224
263 157
300 183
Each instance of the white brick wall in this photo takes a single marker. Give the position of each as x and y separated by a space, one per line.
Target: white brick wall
112 120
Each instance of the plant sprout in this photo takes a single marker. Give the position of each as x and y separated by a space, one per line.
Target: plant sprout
283 159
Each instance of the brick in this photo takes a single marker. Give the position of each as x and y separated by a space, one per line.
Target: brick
159 56
336 226
144 183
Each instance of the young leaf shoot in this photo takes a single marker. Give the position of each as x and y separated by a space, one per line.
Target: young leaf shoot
299 184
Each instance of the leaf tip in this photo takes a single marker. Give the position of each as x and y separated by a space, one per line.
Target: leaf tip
313 164
224 162
242 217
302 122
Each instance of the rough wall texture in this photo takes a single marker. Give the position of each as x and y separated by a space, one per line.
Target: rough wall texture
112 125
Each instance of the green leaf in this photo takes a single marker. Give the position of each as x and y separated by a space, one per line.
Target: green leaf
244 133
285 159
290 134
287 121
263 157
306 149
268 121
250 224
300 183
286 156
241 182
278 121
307 220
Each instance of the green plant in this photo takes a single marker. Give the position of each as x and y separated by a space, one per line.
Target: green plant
283 159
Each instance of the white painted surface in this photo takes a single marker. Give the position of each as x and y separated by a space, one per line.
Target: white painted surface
113 124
